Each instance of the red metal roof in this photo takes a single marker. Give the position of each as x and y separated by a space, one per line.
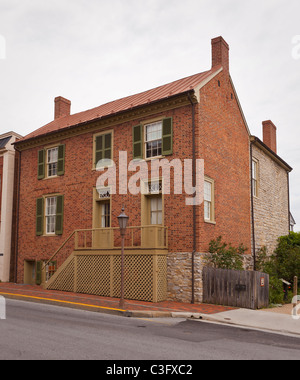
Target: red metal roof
162 92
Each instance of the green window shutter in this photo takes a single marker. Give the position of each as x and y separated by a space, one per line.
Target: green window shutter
61 160
103 146
41 164
137 133
167 137
39 216
38 272
59 214
107 146
99 149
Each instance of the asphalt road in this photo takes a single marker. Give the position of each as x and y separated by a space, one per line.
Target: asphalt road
33 331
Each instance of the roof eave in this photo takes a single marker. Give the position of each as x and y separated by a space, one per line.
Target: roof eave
101 118
255 140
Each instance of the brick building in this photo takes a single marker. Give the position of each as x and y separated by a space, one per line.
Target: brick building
68 222
8 201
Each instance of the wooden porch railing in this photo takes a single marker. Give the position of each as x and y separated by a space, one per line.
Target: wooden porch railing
142 237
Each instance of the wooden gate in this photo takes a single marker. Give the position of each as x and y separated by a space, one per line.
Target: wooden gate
245 289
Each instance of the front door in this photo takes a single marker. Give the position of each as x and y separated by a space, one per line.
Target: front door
102 234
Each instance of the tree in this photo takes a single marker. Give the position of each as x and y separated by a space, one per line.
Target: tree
283 264
287 257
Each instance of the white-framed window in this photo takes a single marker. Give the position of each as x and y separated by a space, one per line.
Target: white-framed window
255 177
156 210
50 215
52 159
209 207
153 139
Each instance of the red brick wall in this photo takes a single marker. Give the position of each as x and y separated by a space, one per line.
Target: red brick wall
14 219
224 145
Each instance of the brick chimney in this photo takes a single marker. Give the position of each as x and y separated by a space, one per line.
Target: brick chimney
62 107
220 53
269 135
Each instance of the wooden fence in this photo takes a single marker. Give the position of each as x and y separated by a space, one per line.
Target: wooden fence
245 289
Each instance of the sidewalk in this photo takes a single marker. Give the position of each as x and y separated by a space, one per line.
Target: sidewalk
274 320
105 304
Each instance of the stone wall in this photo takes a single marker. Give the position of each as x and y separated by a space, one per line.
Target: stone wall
271 206
179 276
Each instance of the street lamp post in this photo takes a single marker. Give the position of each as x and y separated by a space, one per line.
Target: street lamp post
123 220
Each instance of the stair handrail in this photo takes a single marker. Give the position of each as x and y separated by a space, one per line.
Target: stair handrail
57 251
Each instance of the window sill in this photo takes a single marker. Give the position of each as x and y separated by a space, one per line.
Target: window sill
154 158
210 221
52 177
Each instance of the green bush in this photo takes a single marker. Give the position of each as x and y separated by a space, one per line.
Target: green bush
225 256
287 257
283 264
276 293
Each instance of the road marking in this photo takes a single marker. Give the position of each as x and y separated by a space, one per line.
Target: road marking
60 301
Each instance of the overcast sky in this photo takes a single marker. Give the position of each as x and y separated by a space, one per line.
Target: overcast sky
95 51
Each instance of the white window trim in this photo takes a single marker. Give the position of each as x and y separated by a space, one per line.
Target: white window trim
47 217
48 163
146 141
212 202
255 189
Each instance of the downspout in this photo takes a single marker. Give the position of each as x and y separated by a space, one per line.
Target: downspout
194 205
252 209
17 217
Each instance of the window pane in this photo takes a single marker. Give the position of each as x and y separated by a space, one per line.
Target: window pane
52 155
52 158
207 191
156 210
153 218
254 169
105 215
153 137
154 131
207 208
153 204
50 215
159 217
159 204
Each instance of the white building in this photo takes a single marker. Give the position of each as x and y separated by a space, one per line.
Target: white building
7 194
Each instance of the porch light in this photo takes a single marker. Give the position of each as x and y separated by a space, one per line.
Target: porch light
123 220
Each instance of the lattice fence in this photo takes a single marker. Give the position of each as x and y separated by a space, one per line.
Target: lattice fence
145 276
